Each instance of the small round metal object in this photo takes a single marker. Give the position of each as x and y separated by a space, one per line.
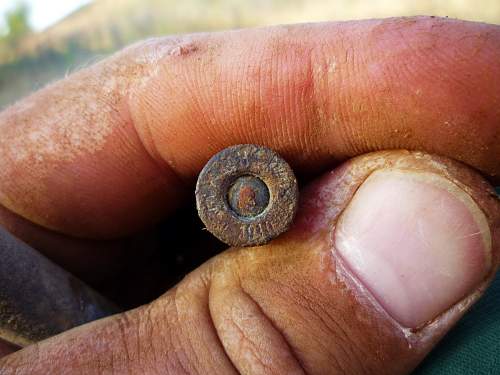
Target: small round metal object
246 195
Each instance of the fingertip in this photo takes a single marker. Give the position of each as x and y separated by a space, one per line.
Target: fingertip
417 241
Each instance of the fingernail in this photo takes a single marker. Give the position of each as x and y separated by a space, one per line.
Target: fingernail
416 241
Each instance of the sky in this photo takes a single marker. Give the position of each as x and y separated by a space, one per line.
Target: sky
43 12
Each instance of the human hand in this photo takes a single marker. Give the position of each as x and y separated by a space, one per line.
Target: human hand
113 148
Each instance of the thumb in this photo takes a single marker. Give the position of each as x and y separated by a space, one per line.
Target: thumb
388 251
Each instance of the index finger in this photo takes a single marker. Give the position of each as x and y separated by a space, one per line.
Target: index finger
113 147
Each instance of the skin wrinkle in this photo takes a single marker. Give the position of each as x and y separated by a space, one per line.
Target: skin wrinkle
135 336
217 334
199 89
433 63
185 302
289 105
160 324
158 340
334 357
243 303
286 339
239 89
332 316
149 322
180 359
211 292
250 348
147 138
247 345
336 319
324 73
161 48
348 135
183 337
342 340
273 325
219 342
307 91
123 323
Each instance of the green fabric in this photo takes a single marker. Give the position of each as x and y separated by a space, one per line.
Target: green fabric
473 346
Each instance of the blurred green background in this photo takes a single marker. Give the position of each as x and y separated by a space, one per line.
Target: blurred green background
43 40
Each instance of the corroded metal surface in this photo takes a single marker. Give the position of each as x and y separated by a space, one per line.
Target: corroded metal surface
38 299
246 195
